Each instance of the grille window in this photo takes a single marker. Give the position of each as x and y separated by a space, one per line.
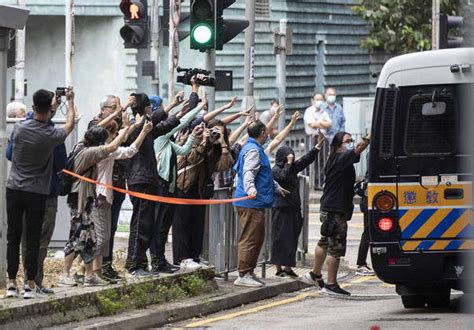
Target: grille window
262 8
388 123
431 130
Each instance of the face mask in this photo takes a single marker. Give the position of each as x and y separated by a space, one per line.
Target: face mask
350 146
331 99
318 104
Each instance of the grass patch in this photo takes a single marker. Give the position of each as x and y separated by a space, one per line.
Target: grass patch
123 228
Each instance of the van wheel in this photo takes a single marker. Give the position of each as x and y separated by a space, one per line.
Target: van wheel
440 300
413 301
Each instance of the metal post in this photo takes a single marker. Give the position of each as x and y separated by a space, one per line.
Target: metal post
69 46
175 5
4 33
249 56
155 45
211 66
281 72
20 61
435 24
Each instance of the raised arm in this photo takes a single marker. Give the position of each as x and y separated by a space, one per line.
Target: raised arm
177 100
71 112
213 114
104 122
362 145
112 146
229 119
283 134
274 119
235 134
141 137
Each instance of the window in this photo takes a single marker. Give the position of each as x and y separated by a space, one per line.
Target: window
262 8
431 125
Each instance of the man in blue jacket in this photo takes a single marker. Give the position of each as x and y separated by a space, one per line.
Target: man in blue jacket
254 179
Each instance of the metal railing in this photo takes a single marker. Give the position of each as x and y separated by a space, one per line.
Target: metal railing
223 233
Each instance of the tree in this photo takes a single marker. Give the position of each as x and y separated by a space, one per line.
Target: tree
399 26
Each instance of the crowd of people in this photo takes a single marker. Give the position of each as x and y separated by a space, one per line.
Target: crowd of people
177 150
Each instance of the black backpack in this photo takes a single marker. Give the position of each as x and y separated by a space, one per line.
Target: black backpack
65 181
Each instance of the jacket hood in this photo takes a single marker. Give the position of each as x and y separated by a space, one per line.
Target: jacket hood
282 153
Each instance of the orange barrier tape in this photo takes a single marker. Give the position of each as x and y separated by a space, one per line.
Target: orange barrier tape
155 198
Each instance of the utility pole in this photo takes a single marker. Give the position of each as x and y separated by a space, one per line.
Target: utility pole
435 24
211 91
249 56
155 45
69 40
20 61
173 53
281 71
4 36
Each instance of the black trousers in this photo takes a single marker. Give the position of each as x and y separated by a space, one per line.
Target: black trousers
364 243
32 206
116 207
188 229
164 215
286 229
141 227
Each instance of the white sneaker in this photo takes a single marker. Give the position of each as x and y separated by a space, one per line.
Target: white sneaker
189 265
29 293
12 291
66 280
247 280
94 280
364 271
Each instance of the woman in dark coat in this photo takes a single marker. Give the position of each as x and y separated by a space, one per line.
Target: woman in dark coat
286 214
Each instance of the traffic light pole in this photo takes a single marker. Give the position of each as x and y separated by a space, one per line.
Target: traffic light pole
155 45
435 24
210 91
69 53
281 72
4 34
248 100
20 61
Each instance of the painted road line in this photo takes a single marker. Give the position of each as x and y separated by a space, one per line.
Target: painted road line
257 309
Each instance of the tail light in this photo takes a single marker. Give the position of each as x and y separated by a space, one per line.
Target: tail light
385 224
384 201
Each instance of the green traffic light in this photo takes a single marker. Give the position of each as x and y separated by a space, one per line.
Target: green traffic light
202 33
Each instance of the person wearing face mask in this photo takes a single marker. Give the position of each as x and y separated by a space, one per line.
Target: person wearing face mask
335 112
336 210
317 120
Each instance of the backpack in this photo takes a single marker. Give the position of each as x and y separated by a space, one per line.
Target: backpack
65 181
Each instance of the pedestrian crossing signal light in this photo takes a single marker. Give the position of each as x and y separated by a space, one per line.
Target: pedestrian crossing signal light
202 27
135 31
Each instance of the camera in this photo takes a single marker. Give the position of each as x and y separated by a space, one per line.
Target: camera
190 72
214 134
60 91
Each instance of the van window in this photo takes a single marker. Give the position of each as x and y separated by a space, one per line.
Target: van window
431 125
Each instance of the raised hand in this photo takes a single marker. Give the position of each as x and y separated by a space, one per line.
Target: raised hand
231 103
147 127
321 140
290 159
295 116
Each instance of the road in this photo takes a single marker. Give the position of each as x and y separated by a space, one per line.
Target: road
373 304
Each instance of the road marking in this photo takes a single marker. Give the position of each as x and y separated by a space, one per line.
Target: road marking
257 309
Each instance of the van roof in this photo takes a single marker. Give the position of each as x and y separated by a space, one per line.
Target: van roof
427 68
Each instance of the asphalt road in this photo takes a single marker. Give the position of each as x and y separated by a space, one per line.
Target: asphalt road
373 304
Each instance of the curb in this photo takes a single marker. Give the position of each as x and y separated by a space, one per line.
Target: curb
69 307
179 311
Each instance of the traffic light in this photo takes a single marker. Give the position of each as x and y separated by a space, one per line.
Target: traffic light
183 27
226 29
135 31
202 27
445 24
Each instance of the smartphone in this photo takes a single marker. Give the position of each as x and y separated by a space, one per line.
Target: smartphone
60 91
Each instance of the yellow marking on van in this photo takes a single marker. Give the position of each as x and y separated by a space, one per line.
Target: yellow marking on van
432 222
411 245
458 226
408 218
440 245
467 245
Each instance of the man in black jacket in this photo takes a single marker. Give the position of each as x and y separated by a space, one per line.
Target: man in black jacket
142 176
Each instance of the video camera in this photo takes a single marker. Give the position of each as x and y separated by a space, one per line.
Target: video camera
190 72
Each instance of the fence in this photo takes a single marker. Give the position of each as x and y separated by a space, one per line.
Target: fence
223 232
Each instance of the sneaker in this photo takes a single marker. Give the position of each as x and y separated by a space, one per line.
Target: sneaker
44 291
189 265
67 280
29 293
364 270
138 273
12 291
95 280
280 273
255 278
110 273
78 278
108 279
312 279
334 290
248 281
290 273
164 268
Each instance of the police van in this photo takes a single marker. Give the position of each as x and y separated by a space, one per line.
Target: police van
420 176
